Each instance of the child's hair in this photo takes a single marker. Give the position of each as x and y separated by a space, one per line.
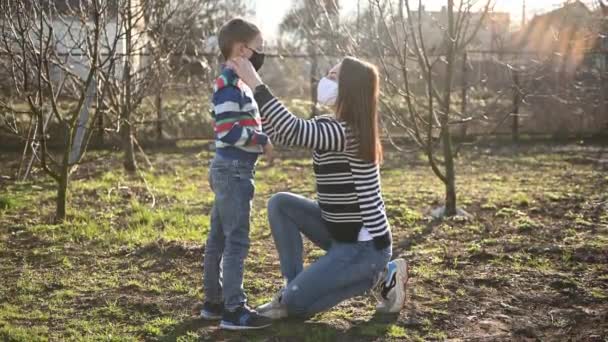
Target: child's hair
236 30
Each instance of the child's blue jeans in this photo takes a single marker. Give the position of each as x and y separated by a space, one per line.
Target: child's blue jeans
232 182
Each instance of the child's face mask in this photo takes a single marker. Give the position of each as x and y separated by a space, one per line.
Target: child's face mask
256 59
327 92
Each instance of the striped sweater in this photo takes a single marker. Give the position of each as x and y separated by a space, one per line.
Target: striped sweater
236 119
348 188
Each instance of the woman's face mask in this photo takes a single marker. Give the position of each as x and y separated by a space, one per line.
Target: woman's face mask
327 92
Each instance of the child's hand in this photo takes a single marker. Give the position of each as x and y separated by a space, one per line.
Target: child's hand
268 152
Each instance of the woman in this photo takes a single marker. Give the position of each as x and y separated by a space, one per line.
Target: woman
348 220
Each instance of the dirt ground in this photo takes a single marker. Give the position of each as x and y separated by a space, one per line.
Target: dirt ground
531 264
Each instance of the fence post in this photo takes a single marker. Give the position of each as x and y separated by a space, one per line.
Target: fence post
516 102
463 107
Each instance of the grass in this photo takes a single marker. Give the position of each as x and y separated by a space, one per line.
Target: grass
125 266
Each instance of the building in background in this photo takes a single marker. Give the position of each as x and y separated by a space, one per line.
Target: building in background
565 35
492 34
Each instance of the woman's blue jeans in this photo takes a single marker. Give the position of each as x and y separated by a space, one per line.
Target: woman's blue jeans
345 271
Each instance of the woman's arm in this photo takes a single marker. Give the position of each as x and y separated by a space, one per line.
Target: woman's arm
282 126
287 129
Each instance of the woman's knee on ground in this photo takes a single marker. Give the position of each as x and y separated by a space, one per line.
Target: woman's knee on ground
278 201
297 305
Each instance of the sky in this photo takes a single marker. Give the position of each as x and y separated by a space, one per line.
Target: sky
270 12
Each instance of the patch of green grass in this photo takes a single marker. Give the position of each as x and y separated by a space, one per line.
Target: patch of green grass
553 196
111 310
96 277
190 336
29 282
521 199
542 264
395 331
598 293
158 326
97 330
509 213
373 330
11 333
321 334
10 312
382 330
489 206
8 201
62 295
527 225
404 216
474 248
426 271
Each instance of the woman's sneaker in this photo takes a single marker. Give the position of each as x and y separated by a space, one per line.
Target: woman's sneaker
274 309
390 290
243 318
211 311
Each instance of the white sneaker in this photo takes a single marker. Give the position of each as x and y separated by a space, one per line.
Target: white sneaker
390 291
274 309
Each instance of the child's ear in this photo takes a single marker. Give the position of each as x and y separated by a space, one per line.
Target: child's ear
240 49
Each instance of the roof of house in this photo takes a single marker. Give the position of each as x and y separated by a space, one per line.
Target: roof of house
569 29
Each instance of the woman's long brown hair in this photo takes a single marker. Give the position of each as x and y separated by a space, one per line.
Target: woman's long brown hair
357 105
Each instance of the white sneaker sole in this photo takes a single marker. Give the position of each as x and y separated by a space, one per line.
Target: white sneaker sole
209 316
274 314
230 326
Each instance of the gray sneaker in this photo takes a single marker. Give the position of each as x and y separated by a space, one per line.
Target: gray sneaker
390 290
273 309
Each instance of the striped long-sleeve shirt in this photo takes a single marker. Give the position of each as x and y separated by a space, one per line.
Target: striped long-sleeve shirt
237 124
348 188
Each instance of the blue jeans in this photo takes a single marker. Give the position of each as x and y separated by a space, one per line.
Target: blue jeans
227 246
345 271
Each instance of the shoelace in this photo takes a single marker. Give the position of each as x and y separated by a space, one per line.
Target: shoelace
376 291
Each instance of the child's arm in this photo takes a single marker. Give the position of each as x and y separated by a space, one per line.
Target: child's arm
232 119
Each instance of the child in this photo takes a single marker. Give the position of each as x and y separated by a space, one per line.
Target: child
239 141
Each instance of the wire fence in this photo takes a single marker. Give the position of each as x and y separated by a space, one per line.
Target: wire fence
502 93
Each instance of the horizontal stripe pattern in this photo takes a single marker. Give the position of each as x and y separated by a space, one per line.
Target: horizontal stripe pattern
348 188
237 122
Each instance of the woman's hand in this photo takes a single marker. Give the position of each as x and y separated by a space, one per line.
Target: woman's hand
269 153
246 71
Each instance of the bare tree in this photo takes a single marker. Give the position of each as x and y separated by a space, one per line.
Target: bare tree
311 25
425 110
53 56
155 33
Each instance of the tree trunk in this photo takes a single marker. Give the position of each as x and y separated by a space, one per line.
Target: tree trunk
126 129
446 137
516 102
313 75
127 147
312 52
159 113
100 129
463 105
450 174
61 201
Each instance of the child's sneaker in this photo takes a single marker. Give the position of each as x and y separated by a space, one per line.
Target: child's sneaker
243 318
274 309
211 311
390 290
